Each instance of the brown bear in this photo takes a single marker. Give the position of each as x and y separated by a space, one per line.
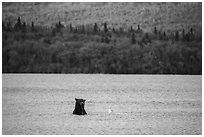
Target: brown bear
79 107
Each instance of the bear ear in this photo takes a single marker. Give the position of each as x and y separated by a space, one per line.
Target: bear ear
76 99
84 100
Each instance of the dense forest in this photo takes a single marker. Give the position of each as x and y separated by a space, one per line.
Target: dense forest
30 48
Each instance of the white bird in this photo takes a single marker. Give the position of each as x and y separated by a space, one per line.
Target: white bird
110 110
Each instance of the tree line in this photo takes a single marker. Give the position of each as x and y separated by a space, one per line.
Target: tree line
98 49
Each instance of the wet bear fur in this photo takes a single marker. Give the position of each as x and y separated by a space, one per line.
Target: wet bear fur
79 107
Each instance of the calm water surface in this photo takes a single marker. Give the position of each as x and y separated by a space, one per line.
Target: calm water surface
142 104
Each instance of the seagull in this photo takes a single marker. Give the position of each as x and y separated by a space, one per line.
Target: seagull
110 110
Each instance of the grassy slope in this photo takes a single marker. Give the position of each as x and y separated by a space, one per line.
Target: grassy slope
167 16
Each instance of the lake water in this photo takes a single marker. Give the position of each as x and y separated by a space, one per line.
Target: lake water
141 104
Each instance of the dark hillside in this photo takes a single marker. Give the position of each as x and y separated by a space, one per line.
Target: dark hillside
116 38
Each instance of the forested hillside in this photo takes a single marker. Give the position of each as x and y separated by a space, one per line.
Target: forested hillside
166 16
116 38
